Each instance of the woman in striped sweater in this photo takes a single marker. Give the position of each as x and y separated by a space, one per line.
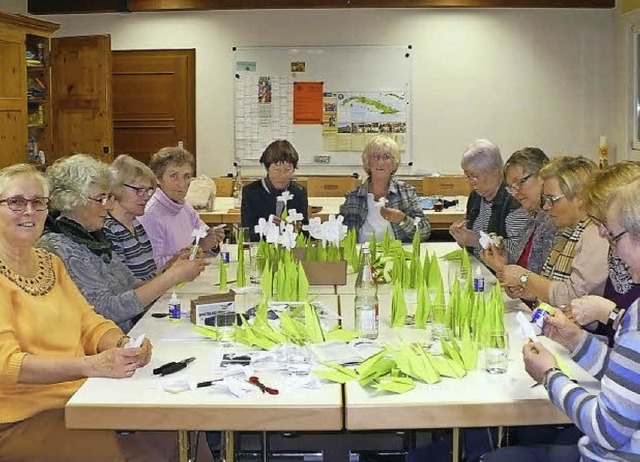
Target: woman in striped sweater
609 419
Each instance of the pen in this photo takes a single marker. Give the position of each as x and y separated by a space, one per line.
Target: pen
172 367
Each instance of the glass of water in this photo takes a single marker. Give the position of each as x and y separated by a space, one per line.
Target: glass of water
439 322
497 352
226 325
298 360
256 264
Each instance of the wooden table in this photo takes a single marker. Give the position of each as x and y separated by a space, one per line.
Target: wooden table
330 205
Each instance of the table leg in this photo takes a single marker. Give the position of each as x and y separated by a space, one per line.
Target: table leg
456 445
228 445
184 446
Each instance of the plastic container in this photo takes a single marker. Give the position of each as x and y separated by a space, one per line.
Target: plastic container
175 307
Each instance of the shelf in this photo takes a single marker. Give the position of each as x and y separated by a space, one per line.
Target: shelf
39 126
39 67
37 100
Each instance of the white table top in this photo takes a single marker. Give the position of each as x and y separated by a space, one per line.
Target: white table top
139 403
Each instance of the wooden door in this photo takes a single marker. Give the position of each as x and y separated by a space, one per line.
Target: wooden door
13 91
153 101
81 96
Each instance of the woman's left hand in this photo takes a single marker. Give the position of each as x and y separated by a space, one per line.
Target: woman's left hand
392 215
493 257
537 360
509 275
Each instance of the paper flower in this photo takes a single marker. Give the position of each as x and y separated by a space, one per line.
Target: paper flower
272 233
261 227
294 216
314 228
285 197
199 233
287 238
333 230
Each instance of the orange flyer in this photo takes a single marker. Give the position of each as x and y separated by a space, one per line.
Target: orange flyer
307 103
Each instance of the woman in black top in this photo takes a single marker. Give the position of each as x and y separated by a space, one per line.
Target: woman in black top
259 199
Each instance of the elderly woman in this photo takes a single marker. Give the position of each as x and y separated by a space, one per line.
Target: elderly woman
399 213
51 339
620 291
80 192
522 172
490 208
168 219
260 198
608 418
134 185
577 264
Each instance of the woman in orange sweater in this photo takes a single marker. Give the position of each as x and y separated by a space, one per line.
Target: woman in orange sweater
51 339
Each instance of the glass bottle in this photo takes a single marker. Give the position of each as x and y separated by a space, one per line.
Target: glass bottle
237 187
366 301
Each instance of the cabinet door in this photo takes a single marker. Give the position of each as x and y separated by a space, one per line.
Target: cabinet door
13 102
81 96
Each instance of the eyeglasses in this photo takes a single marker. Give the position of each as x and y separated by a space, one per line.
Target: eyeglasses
104 200
516 185
265 389
281 170
19 203
472 178
613 240
381 157
141 191
550 199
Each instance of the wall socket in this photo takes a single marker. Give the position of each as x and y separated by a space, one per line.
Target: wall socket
322 159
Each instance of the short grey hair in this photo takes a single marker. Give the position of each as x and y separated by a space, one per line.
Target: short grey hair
125 170
9 174
381 143
482 156
73 178
626 198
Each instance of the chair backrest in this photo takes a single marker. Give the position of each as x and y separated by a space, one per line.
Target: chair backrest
445 186
330 186
224 186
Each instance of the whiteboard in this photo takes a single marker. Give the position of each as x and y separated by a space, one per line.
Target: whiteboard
366 91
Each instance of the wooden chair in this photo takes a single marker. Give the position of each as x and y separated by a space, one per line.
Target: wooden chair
445 186
224 186
330 186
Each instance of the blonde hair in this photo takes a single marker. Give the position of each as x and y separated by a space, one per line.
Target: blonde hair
126 169
381 143
572 173
626 198
604 182
72 180
9 174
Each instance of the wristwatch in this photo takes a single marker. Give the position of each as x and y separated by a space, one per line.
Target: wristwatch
615 316
524 277
545 377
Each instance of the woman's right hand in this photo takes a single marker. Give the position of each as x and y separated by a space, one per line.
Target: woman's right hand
186 270
493 257
114 363
591 308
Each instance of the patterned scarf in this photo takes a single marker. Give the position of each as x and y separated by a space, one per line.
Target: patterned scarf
95 241
558 265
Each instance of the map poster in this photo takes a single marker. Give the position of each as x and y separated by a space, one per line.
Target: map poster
357 117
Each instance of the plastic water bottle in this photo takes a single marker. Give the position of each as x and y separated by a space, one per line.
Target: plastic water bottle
366 301
175 309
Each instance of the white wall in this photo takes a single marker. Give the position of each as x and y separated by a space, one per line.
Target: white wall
519 77
13 6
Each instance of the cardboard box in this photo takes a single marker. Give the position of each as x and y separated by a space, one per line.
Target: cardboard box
206 306
323 273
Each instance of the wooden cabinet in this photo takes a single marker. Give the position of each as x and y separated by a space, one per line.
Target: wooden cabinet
24 87
55 94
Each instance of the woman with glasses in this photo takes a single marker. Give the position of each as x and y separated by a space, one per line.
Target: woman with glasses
81 196
51 339
134 184
399 211
490 208
522 173
169 219
577 264
260 198
620 291
608 417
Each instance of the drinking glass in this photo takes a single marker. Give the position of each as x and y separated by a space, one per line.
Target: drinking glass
439 322
411 303
298 359
256 264
497 352
226 325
